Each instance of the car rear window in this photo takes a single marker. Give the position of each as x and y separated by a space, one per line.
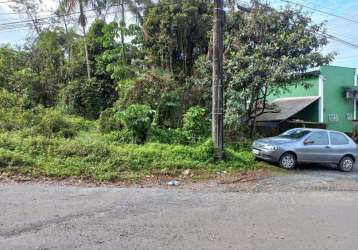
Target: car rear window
295 133
338 139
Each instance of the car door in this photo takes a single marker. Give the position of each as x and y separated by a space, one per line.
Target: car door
314 148
339 146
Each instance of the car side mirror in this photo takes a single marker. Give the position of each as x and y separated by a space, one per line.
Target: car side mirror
308 142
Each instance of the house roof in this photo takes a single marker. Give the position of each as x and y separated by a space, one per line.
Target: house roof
287 107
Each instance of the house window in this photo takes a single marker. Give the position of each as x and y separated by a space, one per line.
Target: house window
349 116
333 117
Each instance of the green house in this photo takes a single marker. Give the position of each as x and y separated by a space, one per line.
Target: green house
328 100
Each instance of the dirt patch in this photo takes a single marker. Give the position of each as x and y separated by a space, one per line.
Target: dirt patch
188 178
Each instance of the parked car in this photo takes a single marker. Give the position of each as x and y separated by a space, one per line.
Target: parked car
305 145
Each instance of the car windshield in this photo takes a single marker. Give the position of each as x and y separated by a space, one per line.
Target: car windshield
295 133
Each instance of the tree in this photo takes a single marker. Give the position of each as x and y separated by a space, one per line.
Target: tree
82 20
46 62
137 8
265 51
31 8
269 52
11 61
176 34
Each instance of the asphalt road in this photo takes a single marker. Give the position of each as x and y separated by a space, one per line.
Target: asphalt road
39 216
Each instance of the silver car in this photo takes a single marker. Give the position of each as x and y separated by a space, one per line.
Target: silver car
305 145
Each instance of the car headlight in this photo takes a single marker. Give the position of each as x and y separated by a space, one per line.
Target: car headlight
271 147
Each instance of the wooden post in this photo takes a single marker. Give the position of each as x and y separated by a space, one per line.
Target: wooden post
217 86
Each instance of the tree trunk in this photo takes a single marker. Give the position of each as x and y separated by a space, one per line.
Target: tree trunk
85 42
86 53
123 25
217 88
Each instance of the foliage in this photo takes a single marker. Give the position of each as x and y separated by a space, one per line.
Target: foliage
11 61
87 98
260 63
138 119
44 121
159 91
152 88
266 51
168 135
109 122
196 124
10 100
94 157
53 123
175 35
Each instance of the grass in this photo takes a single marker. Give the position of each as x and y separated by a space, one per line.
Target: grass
93 156
45 142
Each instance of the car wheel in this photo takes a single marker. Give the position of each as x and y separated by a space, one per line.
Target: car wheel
346 164
288 161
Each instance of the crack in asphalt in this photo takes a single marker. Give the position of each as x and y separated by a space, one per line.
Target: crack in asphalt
35 227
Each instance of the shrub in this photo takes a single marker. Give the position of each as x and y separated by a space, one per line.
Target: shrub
10 100
53 123
14 159
138 119
109 122
196 124
89 97
119 137
170 136
159 91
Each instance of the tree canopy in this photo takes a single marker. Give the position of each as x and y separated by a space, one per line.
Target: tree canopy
164 62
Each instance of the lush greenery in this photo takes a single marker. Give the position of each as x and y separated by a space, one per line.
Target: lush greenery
45 142
115 99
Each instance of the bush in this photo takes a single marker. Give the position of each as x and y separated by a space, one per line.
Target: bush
109 122
196 124
53 123
138 119
9 100
14 159
169 136
159 91
89 97
123 136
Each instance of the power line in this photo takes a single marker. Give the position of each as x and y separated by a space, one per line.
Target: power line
346 57
321 11
332 37
44 22
329 36
43 18
74 13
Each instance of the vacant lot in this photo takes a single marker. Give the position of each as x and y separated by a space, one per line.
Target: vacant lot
274 213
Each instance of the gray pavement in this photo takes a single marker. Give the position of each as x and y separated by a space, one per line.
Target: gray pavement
40 216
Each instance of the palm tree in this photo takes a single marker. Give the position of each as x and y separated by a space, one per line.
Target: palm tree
71 5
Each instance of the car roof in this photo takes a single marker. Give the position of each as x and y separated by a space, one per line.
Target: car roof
319 130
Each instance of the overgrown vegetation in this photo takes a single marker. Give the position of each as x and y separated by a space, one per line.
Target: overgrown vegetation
118 99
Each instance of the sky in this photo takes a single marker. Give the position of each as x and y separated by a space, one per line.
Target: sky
347 55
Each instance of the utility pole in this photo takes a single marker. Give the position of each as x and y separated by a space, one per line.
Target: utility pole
217 125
